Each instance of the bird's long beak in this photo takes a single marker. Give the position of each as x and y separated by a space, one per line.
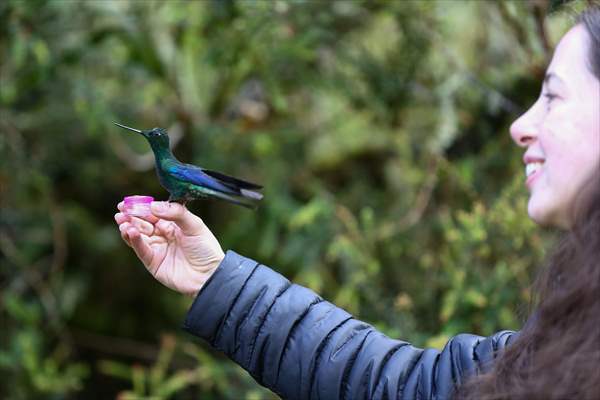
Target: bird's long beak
131 129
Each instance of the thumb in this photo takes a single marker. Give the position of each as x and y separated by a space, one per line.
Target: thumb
190 224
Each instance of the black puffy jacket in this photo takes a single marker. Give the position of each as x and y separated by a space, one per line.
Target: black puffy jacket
303 347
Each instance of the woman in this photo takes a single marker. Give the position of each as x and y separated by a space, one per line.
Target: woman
557 354
300 346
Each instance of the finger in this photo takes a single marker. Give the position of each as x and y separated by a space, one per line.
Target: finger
121 218
123 230
189 223
141 247
148 217
143 226
121 206
165 228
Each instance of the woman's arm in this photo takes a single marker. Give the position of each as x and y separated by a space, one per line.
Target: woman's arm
287 337
302 347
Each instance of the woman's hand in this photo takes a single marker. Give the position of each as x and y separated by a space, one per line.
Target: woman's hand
174 245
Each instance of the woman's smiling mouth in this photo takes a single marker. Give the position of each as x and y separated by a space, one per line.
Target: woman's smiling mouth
532 171
533 168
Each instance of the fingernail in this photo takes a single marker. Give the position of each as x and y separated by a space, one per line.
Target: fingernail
159 206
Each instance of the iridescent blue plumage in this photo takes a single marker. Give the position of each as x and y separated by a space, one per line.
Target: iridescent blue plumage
187 182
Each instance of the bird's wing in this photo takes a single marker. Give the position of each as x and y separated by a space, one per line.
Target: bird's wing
231 180
192 174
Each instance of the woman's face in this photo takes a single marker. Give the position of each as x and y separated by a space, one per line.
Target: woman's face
561 133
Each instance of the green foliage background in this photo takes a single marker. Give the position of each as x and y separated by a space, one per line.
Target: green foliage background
379 129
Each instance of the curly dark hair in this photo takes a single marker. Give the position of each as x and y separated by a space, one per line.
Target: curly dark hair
557 353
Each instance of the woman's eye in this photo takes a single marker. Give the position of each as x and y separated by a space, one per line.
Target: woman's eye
550 97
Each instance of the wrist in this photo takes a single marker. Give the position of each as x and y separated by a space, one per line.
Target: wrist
210 271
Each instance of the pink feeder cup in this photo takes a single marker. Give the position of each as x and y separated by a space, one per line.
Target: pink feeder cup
138 206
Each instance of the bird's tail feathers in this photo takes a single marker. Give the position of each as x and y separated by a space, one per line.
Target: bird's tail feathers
239 200
251 194
231 181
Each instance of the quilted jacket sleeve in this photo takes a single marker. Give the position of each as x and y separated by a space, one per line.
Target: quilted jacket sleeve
302 347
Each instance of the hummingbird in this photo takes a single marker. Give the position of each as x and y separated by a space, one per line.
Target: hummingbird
186 182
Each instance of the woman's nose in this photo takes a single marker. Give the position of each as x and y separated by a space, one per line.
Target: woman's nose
524 130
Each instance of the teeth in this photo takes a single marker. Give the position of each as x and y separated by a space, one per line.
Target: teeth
532 167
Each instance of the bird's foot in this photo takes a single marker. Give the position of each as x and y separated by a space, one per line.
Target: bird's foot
179 200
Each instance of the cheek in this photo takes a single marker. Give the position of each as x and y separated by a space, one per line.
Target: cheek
586 141
573 139
572 147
